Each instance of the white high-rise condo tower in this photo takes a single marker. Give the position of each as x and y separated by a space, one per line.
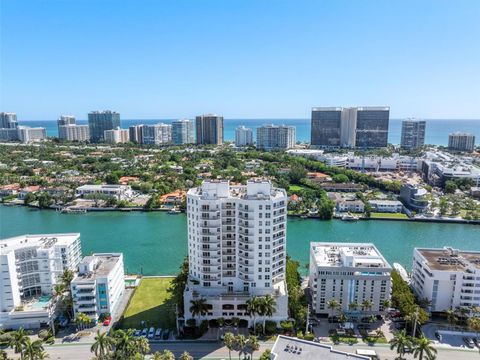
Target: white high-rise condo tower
236 247
243 136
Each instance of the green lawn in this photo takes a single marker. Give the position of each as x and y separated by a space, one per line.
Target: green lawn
375 215
151 302
295 188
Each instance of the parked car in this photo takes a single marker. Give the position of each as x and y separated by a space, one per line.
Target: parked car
166 334
144 332
438 336
151 333
477 342
469 342
158 333
137 333
106 322
407 349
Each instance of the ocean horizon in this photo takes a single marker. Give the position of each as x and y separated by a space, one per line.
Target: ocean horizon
437 130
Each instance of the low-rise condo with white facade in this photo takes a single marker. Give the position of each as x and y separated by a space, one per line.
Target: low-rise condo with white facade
449 278
350 273
31 265
99 285
236 247
121 192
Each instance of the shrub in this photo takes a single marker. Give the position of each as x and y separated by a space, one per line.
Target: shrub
191 323
203 327
270 327
258 328
286 325
309 336
299 335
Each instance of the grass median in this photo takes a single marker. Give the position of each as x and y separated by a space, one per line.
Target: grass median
151 303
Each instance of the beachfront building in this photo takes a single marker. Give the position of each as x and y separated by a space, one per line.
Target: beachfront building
8 134
99 285
414 197
209 129
183 132
363 127
461 142
276 137
120 192
31 134
386 206
350 273
448 278
116 136
157 134
413 134
70 131
8 120
135 134
243 136
236 247
99 121
31 265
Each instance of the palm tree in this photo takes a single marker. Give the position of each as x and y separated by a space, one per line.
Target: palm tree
102 346
3 355
353 306
240 343
399 342
167 355
451 316
67 278
333 305
124 343
229 342
253 308
82 319
386 304
198 307
252 345
32 349
474 324
342 318
423 348
186 356
267 308
367 305
18 341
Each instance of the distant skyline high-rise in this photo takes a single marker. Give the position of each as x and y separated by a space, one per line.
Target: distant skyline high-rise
158 134
363 127
183 132
209 129
276 137
8 120
99 121
243 136
461 142
413 133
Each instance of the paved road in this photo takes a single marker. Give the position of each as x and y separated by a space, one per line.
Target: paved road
216 351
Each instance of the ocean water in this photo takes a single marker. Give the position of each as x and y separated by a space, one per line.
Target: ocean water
436 133
154 243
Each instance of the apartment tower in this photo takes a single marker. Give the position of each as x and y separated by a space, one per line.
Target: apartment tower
413 134
183 132
99 121
209 129
236 247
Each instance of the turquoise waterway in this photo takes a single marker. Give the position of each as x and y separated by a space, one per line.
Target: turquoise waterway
155 242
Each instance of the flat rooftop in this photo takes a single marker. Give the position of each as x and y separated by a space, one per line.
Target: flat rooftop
449 259
40 240
103 264
287 348
364 255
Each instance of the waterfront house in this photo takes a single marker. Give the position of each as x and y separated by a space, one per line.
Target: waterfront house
386 206
28 190
173 199
10 189
121 192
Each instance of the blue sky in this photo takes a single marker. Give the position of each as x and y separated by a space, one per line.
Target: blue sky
239 58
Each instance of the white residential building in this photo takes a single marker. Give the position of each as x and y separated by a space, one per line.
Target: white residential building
348 273
448 278
99 286
243 136
74 132
276 137
158 134
386 206
31 265
461 141
116 136
121 192
236 247
31 134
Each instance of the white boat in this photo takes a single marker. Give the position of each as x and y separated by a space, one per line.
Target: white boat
403 273
174 211
73 211
349 217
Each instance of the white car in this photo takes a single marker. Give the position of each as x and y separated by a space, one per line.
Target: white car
151 333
